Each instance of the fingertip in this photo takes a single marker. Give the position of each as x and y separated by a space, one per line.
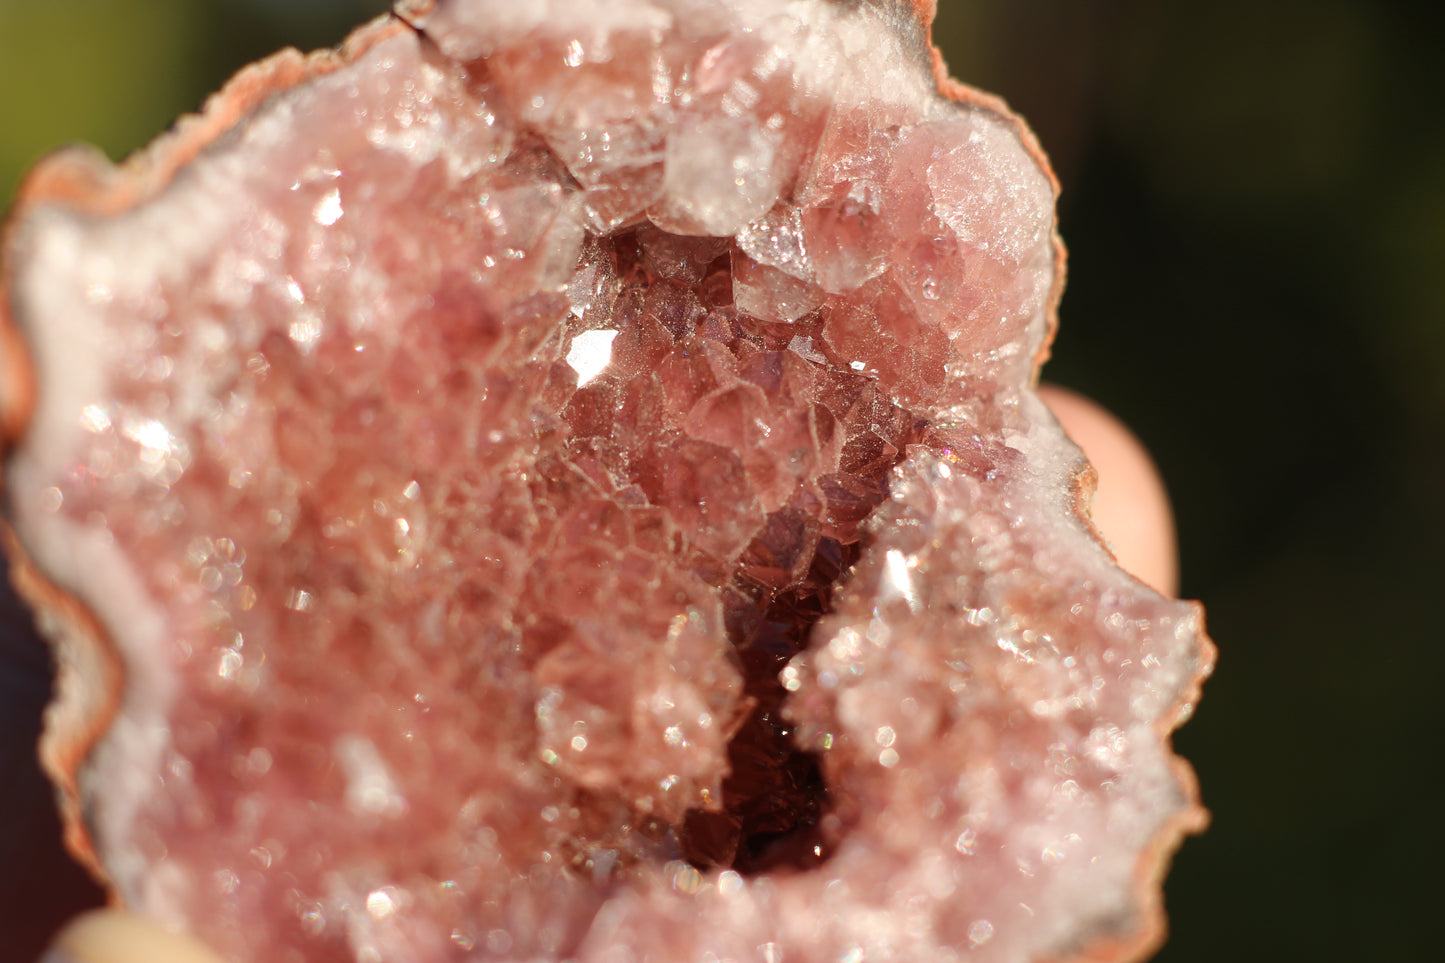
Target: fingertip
115 936
1130 507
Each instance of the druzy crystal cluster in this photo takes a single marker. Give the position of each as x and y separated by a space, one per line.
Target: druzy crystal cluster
562 480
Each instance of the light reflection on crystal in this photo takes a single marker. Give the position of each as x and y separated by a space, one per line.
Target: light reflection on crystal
312 916
305 331
93 418
729 882
230 664
900 577
590 354
328 210
153 437
380 903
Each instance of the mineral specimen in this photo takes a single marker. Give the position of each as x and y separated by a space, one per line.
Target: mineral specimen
563 480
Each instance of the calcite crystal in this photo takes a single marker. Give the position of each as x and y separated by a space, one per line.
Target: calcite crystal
563 480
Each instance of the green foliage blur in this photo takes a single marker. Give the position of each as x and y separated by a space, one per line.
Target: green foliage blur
1254 200
115 73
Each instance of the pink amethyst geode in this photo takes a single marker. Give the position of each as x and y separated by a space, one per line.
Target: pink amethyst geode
563 480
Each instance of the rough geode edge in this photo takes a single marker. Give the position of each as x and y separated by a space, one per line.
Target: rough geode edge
90 680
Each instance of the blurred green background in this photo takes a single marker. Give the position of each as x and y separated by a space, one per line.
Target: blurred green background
1254 199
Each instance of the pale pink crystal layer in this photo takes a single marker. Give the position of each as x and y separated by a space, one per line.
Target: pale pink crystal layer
566 485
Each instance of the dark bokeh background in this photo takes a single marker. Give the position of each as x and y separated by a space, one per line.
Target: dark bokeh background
1254 199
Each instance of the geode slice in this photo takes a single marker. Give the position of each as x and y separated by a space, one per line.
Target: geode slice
562 480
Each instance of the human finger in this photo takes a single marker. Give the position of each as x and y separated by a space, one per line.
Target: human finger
115 936
1130 507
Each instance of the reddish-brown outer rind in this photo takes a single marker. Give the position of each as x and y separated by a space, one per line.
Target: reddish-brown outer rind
89 685
1153 863
90 681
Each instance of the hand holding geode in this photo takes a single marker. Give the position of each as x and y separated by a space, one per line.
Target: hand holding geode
564 481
